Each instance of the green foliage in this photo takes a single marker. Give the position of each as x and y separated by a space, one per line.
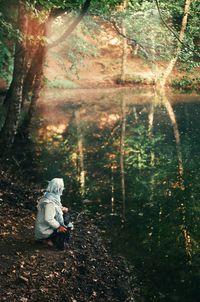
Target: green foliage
145 25
139 144
79 46
141 20
90 27
65 5
61 83
77 4
105 6
6 62
190 55
8 36
187 84
142 23
77 50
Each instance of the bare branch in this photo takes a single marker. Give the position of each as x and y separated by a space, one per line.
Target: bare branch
73 25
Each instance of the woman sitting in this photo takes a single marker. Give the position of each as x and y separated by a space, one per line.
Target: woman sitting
52 222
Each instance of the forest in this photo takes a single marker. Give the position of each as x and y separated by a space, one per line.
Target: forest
104 94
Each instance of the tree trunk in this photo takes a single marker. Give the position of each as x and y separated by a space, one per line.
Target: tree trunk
34 57
38 82
8 95
112 190
27 47
178 50
34 78
14 96
135 51
124 56
124 48
122 143
80 154
172 117
150 128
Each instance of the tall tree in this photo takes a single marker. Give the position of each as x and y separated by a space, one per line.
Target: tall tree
124 45
122 153
15 92
29 61
173 61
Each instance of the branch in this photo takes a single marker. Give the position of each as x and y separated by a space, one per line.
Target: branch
171 30
72 26
135 42
166 25
118 30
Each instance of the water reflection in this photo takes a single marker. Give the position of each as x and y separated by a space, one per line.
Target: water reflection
138 164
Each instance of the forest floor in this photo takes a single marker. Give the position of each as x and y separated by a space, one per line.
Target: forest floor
86 271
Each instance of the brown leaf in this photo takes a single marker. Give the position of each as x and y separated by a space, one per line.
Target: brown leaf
22 278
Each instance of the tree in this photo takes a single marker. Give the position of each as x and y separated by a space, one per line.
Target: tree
180 41
158 30
39 15
124 44
29 60
122 153
15 93
143 25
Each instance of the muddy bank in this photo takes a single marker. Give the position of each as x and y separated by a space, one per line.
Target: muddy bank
86 271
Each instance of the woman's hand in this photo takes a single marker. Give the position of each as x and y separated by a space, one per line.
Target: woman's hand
61 229
65 210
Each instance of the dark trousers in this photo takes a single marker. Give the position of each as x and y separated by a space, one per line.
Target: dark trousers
61 239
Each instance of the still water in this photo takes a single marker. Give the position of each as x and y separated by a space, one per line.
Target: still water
132 160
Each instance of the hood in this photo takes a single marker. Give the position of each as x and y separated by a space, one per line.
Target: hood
55 186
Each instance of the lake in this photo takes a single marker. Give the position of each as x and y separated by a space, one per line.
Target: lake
131 159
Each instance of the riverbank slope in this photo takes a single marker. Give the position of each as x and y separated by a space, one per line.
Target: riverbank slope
86 271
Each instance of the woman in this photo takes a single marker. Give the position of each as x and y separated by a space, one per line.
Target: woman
51 216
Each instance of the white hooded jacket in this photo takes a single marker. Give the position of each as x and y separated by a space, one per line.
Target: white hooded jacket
49 215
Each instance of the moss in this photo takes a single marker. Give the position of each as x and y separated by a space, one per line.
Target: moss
61 83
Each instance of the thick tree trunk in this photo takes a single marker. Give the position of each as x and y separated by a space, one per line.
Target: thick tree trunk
33 58
14 96
178 50
38 82
8 95
34 78
30 31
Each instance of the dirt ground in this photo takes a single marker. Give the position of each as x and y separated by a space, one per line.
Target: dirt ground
86 271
